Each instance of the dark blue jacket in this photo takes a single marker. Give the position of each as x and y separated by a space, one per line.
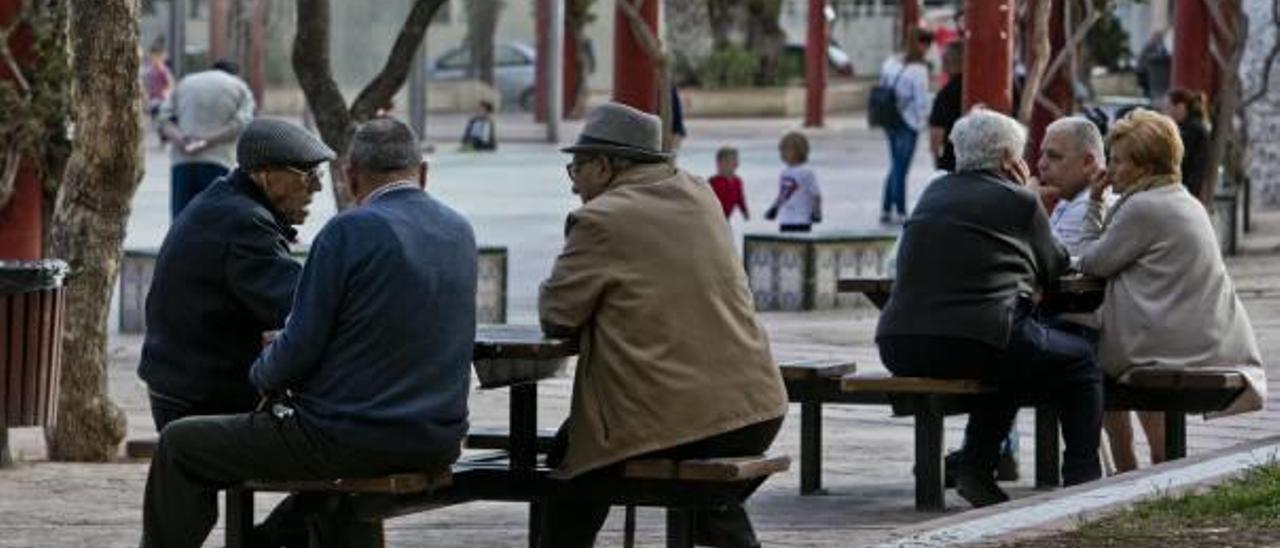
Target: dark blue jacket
377 349
223 276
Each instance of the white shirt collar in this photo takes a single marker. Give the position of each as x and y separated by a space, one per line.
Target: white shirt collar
387 189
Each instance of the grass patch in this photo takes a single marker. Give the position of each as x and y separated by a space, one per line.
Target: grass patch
1243 512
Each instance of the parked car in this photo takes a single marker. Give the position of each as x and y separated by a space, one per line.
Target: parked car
513 70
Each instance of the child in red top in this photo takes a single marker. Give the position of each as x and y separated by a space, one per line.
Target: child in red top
727 185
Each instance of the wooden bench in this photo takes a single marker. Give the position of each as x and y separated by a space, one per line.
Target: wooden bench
812 383
680 486
239 515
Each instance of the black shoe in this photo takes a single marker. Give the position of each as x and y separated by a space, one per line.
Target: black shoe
1006 470
979 491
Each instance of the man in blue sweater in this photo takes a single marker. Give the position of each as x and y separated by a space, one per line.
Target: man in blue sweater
371 373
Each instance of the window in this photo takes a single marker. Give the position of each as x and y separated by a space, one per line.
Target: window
507 56
457 59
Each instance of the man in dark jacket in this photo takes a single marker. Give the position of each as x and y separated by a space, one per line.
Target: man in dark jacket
976 249
224 275
371 373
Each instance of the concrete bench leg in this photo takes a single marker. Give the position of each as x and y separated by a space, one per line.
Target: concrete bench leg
1175 435
239 517
1048 450
679 528
811 448
930 483
537 522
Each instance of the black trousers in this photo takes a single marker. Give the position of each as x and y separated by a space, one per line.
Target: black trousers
166 408
573 525
1041 364
198 456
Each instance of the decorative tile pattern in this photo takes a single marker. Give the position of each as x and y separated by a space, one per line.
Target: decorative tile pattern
800 272
138 265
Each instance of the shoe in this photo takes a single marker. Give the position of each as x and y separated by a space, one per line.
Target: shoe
1006 469
886 218
979 491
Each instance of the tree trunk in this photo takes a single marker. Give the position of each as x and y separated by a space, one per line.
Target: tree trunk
577 15
482 24
765 38
311 64
90 216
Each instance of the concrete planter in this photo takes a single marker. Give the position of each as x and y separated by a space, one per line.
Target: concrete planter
139 264
799 271
778 101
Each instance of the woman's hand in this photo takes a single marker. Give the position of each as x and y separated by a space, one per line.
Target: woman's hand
1099 181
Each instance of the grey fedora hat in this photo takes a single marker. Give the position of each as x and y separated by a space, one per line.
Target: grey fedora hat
616 129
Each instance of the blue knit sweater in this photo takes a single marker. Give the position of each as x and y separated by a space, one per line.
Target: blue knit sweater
377 349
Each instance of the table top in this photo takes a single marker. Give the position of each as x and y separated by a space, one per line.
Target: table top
520 342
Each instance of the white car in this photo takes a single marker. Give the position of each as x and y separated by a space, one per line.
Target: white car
513 70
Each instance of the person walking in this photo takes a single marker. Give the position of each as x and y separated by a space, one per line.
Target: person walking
908 76
201 118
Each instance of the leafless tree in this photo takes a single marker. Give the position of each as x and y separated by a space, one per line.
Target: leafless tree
482 24
335 119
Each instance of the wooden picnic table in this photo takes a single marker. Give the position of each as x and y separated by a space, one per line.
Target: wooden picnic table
1072 293
518 356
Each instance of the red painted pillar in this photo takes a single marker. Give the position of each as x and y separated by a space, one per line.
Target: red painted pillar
571 74
1192 63
815 64
257 68
219 13
21 220
910 22
988 54
634 81
1057 85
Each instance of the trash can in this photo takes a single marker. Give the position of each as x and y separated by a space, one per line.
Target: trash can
31 303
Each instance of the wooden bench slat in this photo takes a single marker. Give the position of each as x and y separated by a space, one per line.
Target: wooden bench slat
884 382
723 469
804 370
394 484
1171 378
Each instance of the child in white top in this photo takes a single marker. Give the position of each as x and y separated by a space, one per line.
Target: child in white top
799 202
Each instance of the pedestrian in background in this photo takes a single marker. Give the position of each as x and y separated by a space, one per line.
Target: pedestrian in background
727 185
908 76
948 106
202 119
1190 109
799 202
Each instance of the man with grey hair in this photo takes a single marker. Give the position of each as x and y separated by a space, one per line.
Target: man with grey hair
972 256
1071 152
371 373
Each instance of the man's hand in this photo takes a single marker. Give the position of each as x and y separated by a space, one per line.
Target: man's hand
194 145
1099 180
1017 171
269 337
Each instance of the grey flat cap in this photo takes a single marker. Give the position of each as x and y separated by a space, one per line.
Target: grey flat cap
616 129
270 142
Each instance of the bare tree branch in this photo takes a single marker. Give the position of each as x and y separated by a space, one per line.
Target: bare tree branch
1091 18
1040 51
312 66
396 70
652 47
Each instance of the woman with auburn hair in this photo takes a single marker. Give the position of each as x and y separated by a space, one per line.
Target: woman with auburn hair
1190 109
1169 300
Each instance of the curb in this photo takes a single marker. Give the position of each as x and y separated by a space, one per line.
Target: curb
1064 509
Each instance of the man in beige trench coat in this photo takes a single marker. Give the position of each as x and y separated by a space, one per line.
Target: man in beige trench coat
673 362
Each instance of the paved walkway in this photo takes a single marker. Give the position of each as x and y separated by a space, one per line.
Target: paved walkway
518 198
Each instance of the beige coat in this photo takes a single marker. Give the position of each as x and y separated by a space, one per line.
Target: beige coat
670 351
1169 298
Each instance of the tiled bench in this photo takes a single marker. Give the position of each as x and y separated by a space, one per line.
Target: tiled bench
798 271
138 265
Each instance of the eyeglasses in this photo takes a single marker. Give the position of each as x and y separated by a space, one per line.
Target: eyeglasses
573 167
310 175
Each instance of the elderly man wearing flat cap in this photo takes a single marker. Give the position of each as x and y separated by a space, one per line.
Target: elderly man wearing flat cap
370 374
673 363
